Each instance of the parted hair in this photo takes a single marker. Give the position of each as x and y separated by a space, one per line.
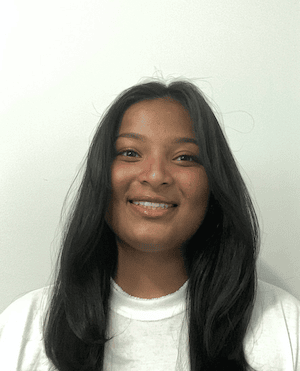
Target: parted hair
220 258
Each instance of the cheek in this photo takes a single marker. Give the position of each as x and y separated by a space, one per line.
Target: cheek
120 178
118 174
194 186
116 184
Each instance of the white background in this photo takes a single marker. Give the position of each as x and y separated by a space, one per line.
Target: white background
62 62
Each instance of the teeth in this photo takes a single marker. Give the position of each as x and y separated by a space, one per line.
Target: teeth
151 205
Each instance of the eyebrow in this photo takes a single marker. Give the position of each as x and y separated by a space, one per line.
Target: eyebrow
143 138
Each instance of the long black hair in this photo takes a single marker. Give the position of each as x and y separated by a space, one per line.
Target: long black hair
220 257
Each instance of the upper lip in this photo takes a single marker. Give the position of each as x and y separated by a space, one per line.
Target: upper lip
154 199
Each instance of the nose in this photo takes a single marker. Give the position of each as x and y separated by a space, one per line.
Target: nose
155 171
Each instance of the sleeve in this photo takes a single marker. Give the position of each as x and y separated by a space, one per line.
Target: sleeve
21 339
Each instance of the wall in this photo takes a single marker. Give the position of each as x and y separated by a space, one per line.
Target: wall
63 62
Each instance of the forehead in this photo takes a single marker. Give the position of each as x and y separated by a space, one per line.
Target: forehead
163 115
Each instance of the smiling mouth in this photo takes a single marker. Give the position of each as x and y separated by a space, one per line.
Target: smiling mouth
155 213
152 205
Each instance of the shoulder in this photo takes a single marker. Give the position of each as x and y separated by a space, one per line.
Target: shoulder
24 316
275 307
273 299
273 334
28 304
21 332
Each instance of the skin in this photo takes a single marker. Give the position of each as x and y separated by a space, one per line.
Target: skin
150 263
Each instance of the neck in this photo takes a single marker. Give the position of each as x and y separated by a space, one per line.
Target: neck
150 275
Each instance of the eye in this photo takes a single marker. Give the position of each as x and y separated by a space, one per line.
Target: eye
191 158
127 151
132 153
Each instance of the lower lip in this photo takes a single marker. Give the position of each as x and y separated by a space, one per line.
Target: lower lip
152 213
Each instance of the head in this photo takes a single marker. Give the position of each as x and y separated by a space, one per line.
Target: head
196 184
157 159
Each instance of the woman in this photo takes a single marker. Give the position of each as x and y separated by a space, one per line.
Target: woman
157 269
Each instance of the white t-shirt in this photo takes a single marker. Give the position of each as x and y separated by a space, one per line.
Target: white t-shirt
151 334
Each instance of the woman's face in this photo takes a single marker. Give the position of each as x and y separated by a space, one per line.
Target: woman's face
160 167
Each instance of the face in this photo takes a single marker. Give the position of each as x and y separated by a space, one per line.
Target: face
152 163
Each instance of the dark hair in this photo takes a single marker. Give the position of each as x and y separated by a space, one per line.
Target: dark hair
220 258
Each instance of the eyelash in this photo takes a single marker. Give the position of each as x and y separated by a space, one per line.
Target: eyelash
195 159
